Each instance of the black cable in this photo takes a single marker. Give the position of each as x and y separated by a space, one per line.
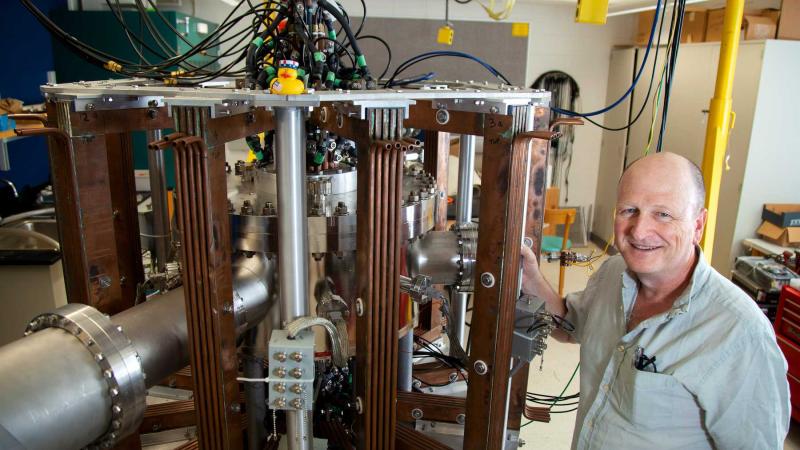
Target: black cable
673 63
388 51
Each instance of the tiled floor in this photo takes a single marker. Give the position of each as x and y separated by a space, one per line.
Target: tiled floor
559 362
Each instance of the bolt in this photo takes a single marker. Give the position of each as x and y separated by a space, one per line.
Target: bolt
494 110
359 307
122 280
297 403
480 367
487 279
115 213
280 372
359 405
247 208
416 413
413 197
280 387
236 407
268 210
521 442
461 419
280 402
442 116
297 372
280 356
453 377
117 409
341 209
228 308
296 356
297 389
152 113
90 106
416 384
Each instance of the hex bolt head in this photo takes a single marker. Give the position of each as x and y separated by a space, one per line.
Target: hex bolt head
297 372
296 389
416 413
280 402
280 356
236 407
280 387
296 356
297 403
480 367
442 116
359 307
280 372
487 279
461 419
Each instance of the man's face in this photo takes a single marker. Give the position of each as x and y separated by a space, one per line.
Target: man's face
657 224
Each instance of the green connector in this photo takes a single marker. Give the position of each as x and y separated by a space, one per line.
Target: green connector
319 158
361 61
332 35
319 57
258 42
270 71
301 72
330 76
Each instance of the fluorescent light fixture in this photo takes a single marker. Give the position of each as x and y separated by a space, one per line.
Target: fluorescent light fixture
230 2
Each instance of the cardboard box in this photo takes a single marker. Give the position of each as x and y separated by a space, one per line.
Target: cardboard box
785 237
756 24
782 214
789 22
694 27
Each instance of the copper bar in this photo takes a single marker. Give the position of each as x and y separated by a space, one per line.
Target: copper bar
203 219
410 439
121 120
122 187
423 115
239 126
497 268
438 408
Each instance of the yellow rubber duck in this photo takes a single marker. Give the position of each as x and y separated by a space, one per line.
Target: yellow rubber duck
287 83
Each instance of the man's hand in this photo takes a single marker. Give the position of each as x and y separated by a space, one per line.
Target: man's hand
531 276
533 283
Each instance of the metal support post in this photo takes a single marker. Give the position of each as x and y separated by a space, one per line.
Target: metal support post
466 168
158 192
293 242
405 362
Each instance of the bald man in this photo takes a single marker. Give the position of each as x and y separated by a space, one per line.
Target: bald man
673 355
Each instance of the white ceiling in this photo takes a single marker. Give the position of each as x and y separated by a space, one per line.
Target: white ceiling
624 5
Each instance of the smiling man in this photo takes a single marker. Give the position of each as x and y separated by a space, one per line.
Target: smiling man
673 355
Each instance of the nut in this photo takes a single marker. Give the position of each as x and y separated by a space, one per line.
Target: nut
416 413
480 367
487 279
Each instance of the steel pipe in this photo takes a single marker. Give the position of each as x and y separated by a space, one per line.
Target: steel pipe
54 394
466 168
158 194
293 243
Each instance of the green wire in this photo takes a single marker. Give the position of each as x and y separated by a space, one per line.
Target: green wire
562 391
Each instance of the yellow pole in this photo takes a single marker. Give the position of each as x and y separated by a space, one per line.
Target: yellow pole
720 118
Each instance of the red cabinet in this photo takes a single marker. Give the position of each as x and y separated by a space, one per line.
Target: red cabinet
787 329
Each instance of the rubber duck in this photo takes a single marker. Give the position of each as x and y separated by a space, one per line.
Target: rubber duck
287 83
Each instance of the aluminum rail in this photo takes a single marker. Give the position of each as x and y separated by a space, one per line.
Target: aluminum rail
466 168
54 394
290 154
158 191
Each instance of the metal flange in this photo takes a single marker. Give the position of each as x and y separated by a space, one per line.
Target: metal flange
116 358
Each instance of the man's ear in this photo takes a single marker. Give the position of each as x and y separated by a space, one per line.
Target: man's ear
699 225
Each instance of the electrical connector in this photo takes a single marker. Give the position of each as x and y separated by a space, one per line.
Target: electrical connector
445 35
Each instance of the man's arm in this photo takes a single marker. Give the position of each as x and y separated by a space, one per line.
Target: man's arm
533 283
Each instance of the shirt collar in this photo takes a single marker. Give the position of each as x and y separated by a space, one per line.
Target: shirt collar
682 303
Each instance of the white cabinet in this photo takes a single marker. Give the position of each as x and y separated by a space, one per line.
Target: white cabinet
764 145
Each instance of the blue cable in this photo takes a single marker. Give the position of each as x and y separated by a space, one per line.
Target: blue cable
417 79
567 112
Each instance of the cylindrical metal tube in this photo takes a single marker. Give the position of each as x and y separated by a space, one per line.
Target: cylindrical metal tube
158 192
405 363
158 331
53 394
437 255
466 168
293 243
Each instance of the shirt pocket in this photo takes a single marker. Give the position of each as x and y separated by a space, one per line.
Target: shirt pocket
646 399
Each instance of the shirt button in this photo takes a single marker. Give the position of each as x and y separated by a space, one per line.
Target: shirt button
605 388
589 423
621 348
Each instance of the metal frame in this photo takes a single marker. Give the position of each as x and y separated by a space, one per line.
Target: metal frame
209 118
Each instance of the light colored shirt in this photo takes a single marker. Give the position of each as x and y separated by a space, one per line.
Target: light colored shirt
720 380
